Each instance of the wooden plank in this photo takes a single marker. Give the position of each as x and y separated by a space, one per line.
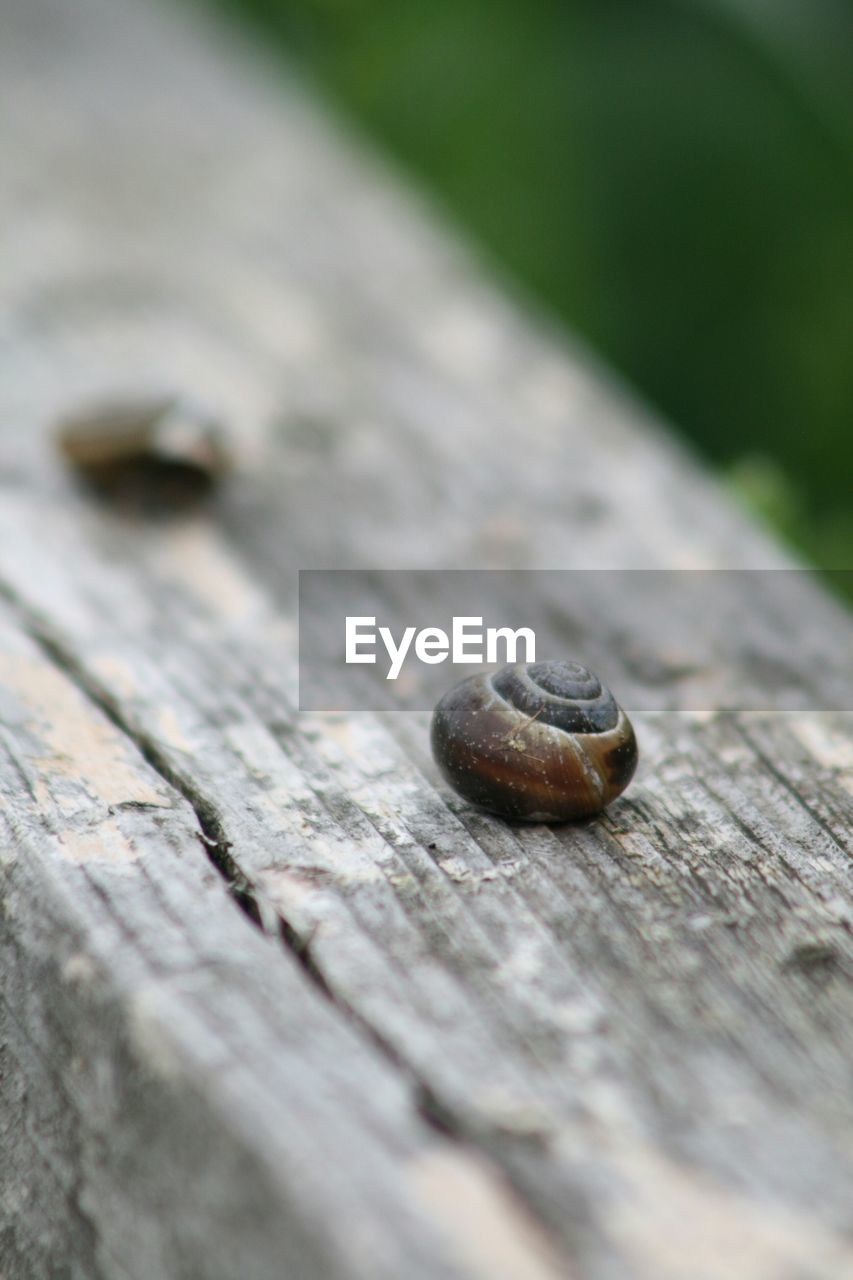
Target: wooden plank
593 1051
177 1096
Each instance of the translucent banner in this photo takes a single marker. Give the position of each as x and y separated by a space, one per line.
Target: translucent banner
702 640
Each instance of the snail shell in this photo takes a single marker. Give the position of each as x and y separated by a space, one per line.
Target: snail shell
543 742
145 446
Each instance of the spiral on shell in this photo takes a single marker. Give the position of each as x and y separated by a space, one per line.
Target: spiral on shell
541 742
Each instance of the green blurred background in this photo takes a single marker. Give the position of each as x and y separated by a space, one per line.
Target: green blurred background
673 177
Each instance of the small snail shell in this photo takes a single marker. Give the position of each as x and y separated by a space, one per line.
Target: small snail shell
145 447
544 742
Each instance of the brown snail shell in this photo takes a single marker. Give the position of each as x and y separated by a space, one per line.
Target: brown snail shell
542 742
145 447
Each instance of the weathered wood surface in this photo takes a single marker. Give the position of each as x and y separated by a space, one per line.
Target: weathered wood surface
274 1002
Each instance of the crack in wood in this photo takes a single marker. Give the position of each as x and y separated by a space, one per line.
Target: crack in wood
269 919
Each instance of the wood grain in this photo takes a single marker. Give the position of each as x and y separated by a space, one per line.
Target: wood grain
275 1002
